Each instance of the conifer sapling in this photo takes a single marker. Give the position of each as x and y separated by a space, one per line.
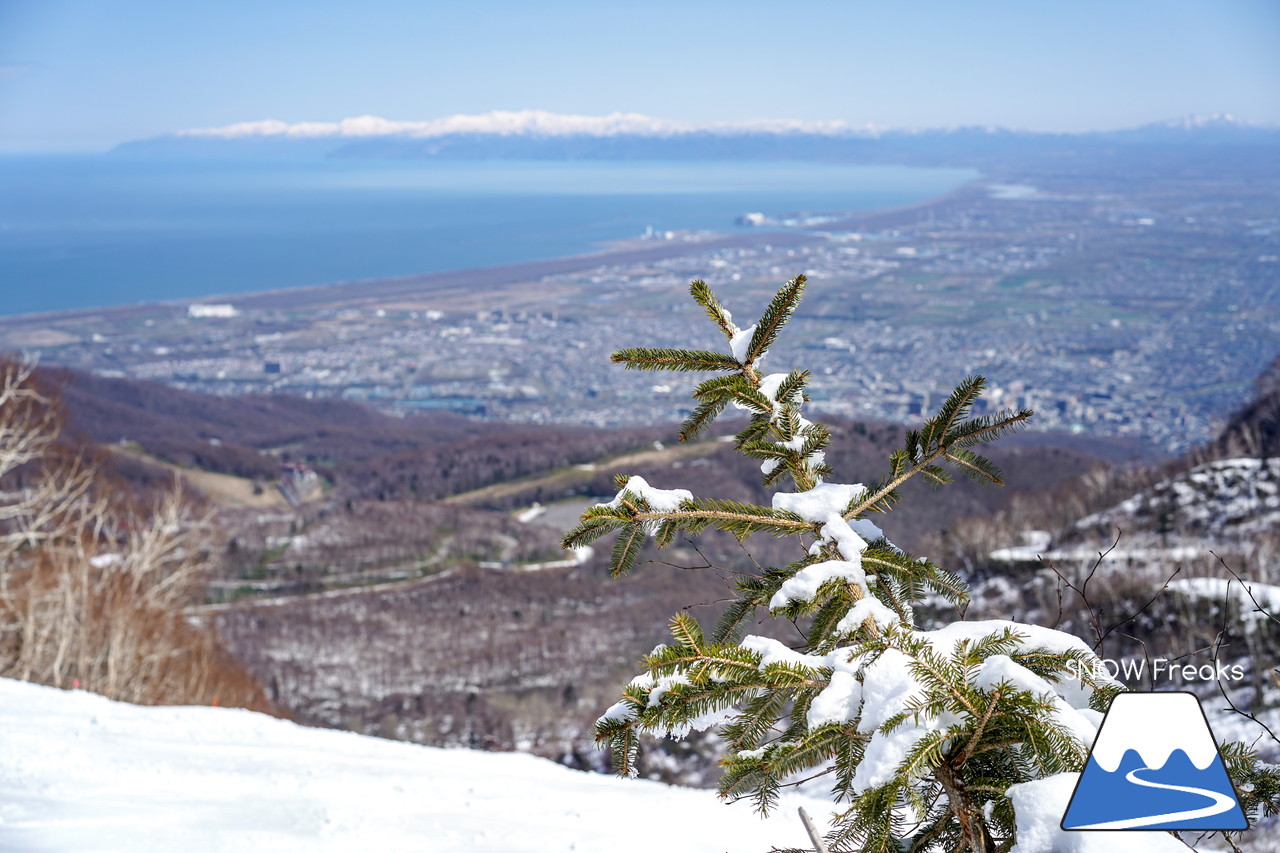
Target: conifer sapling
921 729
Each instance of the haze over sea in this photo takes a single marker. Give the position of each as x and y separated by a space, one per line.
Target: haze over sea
88 231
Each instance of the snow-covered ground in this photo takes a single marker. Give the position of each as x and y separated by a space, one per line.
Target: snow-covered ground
1229 496
81 773
1256 602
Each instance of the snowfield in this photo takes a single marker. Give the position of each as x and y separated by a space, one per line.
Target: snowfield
1229 496
82 773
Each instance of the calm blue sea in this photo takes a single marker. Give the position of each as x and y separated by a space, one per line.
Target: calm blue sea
86 231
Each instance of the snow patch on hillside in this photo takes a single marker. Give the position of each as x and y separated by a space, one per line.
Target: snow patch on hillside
1255 602
1227 496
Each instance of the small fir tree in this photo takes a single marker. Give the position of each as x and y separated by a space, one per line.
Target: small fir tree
921 731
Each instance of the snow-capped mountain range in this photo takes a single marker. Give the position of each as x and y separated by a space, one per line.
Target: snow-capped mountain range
544 123
538 134
518 123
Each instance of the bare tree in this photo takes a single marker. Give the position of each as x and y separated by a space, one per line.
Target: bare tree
93 584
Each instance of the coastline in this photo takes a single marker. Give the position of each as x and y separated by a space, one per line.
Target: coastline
334 282
494 340
889 217
495 278
352 294
229 236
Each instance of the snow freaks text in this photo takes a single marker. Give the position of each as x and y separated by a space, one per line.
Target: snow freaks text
1158 670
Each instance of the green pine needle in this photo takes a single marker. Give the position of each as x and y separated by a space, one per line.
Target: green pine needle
640 358
775 317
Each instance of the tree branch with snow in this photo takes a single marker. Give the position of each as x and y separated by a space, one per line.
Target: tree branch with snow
922 729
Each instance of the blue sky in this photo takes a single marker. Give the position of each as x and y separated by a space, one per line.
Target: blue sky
86 74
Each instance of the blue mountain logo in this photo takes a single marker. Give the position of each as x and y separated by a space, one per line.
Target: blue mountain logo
1155 765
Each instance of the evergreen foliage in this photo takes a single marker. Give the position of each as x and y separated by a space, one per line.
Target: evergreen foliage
920 731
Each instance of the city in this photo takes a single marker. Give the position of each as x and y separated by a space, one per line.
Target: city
1140 310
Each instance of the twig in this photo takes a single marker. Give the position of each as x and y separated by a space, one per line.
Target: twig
706 564
1058 588
1146 659
1258 608
1231 705
1134 615
1082 590
1195 651
693 568
750 556
1096 617
814 836
800 782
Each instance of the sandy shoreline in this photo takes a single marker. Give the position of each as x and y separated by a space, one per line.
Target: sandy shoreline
487 279
494 278
482 279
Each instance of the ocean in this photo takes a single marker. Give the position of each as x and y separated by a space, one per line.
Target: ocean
90 231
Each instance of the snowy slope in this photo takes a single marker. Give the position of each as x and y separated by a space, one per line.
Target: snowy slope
81 773
1229 496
